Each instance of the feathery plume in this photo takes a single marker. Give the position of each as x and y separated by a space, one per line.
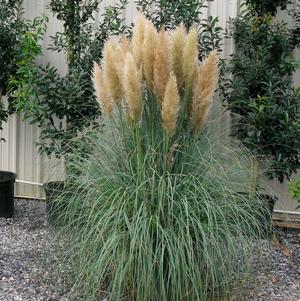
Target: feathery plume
190 58
138 39
178 44
133 88
162 64
150 44
120 54
170 106
124 44
110 71
204 89
100 90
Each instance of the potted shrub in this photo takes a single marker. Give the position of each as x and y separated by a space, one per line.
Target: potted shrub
7 181
11 26
63 106
258 90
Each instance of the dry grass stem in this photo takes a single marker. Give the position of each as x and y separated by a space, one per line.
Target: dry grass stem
138 39
171 106
149 47
204 89
178 44
190 58
123 47
111 72
101 92
125 43
133 88
162 65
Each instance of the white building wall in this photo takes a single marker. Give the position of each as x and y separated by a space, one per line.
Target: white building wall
19 153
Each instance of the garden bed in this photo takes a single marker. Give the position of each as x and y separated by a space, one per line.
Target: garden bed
30 267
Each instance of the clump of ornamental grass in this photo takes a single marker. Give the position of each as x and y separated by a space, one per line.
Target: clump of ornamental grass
155 213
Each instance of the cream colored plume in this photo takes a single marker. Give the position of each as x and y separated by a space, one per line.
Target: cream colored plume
163 64
133 88
111 71
123 47
204 89
101 92
178 44
138 39
149 47
170 106
190 58
124 44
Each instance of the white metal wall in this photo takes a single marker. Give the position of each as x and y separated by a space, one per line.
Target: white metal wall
19 153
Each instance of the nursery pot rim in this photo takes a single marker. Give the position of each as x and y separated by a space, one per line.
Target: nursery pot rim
52 182
6 176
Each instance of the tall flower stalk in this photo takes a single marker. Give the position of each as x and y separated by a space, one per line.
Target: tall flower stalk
158 94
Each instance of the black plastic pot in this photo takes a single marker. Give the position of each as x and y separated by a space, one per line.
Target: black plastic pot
7 181
53 204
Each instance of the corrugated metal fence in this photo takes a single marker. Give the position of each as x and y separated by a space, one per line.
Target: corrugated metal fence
19 153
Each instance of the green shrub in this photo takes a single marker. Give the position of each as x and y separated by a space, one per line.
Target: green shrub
295 31
154 212
26 82
64 106
11 27
262 7
172 13
258 89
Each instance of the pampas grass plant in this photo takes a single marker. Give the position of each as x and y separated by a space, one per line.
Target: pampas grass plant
155 212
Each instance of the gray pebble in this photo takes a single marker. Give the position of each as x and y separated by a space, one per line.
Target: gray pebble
31 270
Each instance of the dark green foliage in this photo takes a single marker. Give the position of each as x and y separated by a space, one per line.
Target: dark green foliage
260 91
77 38
65 106
295 31
172 13
28 80
75 16
261 7
11 25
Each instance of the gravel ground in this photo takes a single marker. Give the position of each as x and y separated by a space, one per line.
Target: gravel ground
277 272
29 271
